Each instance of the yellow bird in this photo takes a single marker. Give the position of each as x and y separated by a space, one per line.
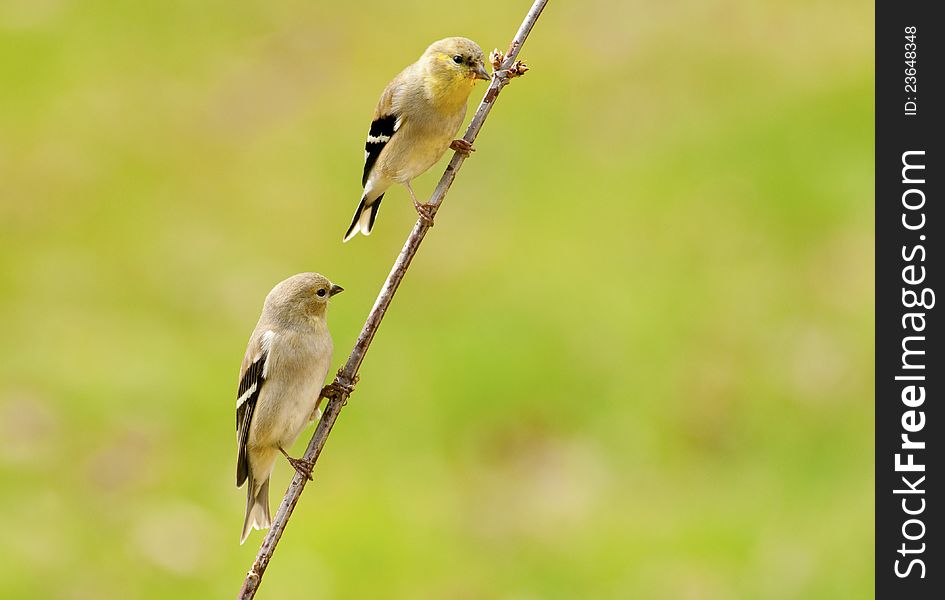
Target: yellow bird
416 118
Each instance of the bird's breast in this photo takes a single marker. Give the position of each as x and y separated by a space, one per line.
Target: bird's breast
297 372
419 144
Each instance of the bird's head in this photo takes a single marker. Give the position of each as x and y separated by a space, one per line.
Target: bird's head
305 295
456 59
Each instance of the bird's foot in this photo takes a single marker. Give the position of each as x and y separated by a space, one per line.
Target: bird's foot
462 146
336 389
425 211
302 467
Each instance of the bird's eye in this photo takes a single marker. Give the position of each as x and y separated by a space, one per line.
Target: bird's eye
458 59
321 293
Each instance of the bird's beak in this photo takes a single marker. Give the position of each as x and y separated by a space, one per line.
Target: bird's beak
335 289
481 72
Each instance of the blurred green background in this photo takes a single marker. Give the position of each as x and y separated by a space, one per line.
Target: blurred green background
632 360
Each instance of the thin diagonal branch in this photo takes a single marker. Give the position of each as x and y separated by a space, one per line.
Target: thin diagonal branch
338 392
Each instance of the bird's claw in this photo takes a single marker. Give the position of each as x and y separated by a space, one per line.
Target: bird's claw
426 213
338 390
302 467
462 146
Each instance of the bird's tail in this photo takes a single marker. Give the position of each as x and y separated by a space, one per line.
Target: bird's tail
364 217
257 507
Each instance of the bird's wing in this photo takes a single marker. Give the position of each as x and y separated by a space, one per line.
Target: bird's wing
387 120
252 376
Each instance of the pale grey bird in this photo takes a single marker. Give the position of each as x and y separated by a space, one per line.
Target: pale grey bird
414 123
281 379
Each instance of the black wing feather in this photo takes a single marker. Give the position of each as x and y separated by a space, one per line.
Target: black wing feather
382 129
244 413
